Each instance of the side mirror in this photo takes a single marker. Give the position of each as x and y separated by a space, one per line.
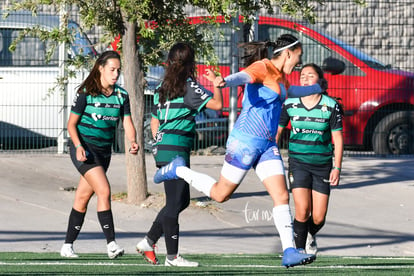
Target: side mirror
333 66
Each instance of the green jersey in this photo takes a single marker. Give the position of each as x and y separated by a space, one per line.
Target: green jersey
177 123
100 115
310 137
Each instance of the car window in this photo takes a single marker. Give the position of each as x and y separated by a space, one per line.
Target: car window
31 51
313 50
81 45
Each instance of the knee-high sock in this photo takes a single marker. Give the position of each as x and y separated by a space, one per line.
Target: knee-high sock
200 181
171 235
283 222
107 223
74 225
314 228
154 233
301 233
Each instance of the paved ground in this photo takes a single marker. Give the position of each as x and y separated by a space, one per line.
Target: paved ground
371 213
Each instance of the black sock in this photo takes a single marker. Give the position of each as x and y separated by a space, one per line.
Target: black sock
313 228
301 233
154 233
107 223
74 226
171 235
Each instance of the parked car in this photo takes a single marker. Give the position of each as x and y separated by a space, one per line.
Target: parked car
31 116
378 99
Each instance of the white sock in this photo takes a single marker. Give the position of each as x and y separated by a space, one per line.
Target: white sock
200 181
284 225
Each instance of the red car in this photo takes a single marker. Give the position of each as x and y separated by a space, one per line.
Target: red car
378 100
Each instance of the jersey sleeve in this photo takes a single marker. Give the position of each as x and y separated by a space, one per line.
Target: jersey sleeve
197 96
79 103
154 110
257 71
336 118
296 91
126 107
237 79
284 117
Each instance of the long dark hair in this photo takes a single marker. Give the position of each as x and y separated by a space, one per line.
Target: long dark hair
254 51
180 67
92 84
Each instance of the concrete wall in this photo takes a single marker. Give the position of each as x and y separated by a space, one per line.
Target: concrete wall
384 29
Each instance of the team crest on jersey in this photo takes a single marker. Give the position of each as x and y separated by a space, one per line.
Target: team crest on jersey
276 151
324 108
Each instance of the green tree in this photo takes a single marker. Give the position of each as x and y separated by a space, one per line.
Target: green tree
148 28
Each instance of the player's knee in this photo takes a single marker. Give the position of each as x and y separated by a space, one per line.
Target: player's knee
318 220
281 198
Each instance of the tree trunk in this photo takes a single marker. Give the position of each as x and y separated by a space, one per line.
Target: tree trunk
134 84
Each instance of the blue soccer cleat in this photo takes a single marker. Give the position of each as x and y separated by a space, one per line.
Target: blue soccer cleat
293 257
168 172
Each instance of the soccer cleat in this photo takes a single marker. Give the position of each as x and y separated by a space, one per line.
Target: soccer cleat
293 257
168 172
114 250
311 246
67 251
180 261
147 251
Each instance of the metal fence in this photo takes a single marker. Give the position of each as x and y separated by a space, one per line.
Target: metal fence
360 48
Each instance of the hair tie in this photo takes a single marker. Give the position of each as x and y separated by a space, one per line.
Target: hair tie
286 47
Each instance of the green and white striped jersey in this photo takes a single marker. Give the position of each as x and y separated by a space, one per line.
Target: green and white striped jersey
310 137
177 123
100 115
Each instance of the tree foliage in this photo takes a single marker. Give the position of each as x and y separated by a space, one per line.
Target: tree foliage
147 29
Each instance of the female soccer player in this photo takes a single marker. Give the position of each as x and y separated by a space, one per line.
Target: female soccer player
315 121
252 141
95 112
177 102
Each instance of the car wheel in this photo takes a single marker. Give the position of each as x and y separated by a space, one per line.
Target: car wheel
148 140
394 134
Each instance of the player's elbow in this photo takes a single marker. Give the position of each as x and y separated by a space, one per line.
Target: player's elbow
215 105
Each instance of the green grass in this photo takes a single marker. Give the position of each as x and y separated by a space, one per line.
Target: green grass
223 264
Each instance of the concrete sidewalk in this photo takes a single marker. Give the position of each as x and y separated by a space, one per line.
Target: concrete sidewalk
371 212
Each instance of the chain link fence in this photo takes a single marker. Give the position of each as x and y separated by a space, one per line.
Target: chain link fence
367 53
